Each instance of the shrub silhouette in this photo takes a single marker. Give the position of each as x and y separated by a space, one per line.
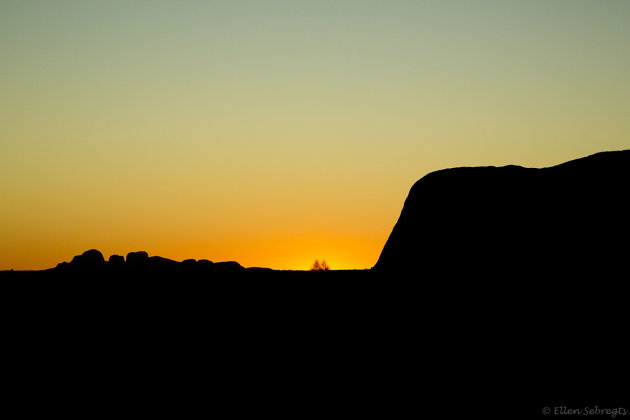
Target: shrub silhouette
317 266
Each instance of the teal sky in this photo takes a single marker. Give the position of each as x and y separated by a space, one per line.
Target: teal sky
277 132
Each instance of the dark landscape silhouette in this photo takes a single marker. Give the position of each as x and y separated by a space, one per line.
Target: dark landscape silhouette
516 222
506 221
500 291
139 263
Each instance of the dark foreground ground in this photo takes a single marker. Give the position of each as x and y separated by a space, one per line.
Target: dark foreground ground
290 344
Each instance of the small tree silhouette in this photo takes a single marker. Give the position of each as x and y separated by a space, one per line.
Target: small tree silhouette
317 266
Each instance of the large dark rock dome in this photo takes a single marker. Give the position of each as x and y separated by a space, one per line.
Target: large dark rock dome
515 221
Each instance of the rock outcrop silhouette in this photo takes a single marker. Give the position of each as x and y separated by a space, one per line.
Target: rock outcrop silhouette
116 260
91 257
515 222
137 259
90 261
521 271
139 263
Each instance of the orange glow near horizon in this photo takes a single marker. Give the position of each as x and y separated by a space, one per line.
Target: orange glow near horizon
280 254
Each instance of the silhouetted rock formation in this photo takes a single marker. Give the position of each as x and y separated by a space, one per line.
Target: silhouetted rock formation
89 261
138 258
117 260
92 257
141 264
514 221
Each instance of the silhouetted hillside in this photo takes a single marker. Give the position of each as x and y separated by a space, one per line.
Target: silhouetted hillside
515 222
524 271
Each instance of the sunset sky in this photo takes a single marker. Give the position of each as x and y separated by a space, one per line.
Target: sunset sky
276 132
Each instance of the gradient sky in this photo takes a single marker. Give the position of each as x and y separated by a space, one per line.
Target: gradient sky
276 132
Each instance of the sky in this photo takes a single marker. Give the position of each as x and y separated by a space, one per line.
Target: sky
277 132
